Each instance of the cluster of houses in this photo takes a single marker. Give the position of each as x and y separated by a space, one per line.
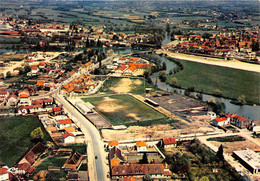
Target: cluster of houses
236 120
135 161
62 34
129 66
61 128
230 44
80 85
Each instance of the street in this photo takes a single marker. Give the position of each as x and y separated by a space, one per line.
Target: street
95 144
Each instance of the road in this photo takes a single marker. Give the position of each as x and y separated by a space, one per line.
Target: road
95 143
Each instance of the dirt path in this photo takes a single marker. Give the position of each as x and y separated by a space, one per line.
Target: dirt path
213 61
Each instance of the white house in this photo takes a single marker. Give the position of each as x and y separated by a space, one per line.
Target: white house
68 138
169 142
220 121
4 175
12 100
211 114
62 123
141 146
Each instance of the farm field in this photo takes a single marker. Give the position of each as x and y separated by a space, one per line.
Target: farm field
232 83
15 137
124 109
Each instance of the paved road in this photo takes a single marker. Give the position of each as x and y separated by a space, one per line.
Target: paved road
95 144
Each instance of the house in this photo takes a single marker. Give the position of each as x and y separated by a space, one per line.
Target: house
12 100
112 144
220 121
169 142
25 163
68 137
116 155
238 121
57 110
3 94
62 123
211 114
4 175
74 162
34 70
141 146
156 171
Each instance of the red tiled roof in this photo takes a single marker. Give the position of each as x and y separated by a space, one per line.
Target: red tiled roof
34 68
3 92
65 121
169 141
137 169
40 83
56 109
3 171
221 119
140 143
24 95
31 169
23 166
129 179
112 143
65 135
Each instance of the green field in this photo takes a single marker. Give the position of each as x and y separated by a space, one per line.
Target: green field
125 109
126 85
15 137
207 78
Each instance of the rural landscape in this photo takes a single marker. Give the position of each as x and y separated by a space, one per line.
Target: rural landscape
129 90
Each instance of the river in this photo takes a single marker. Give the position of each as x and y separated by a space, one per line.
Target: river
251 112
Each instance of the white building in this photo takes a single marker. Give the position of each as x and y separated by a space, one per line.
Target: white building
68 138
141 146
220 121
4 175
249 159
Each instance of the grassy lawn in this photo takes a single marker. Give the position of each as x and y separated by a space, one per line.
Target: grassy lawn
207 78
15 137
227 139
124 109
127 85
57 161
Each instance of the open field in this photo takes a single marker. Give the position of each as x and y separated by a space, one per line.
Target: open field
207 78
229 147
15 137
123 109
125 85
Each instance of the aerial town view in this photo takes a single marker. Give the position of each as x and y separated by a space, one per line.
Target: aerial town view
130 90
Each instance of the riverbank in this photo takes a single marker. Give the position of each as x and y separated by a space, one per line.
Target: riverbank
213 61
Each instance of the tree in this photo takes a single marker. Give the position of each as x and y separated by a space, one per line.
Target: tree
168 28
174 81
37 134
144 160
212 100
27 68
163 76
220 152
147 177
8 74
164 67
217 92
241 99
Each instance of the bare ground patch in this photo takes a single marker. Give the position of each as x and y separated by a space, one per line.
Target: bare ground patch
109 105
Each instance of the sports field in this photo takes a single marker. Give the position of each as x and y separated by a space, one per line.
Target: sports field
124 109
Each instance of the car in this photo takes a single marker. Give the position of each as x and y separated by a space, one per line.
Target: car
95 157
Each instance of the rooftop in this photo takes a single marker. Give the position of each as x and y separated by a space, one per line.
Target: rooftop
250 157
